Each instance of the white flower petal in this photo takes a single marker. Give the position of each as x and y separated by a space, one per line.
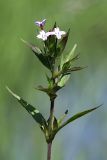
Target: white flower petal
39 36
42 35
58 36
58 33
63 32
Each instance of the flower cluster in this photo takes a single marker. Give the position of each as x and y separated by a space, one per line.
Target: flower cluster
44 35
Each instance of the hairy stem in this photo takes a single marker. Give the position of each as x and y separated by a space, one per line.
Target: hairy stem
49 151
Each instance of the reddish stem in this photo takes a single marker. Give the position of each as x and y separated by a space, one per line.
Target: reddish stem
49 151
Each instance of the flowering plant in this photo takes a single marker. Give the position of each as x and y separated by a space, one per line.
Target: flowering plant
60 66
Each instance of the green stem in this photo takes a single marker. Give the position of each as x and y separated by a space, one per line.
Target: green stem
49 151
52 100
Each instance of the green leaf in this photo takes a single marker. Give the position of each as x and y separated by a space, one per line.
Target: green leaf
63 80
49 80
50 91
31 110
46 90
78 115
70 57
54 26
76 69
66 66
34 48
73 69
54 124
67 69
62 44
51 44
62 118
45 59
71 54
65 62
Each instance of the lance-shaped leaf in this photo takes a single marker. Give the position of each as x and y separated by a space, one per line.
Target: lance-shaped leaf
50 45
45 59
34 48
78 115
33 111
69 58
71 54
62 44
54 124
69 70
62 118
65 60
54 26
75 69
63 80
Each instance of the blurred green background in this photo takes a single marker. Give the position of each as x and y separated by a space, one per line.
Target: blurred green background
20 136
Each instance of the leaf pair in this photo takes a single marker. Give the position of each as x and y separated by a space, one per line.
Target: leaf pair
50 91
69 56
66 66
44 125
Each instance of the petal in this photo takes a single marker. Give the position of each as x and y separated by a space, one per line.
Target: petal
42 32
58 36
37 23
43 22
40 23
42 35
44 38
50 33
39 36
62 32
56 29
